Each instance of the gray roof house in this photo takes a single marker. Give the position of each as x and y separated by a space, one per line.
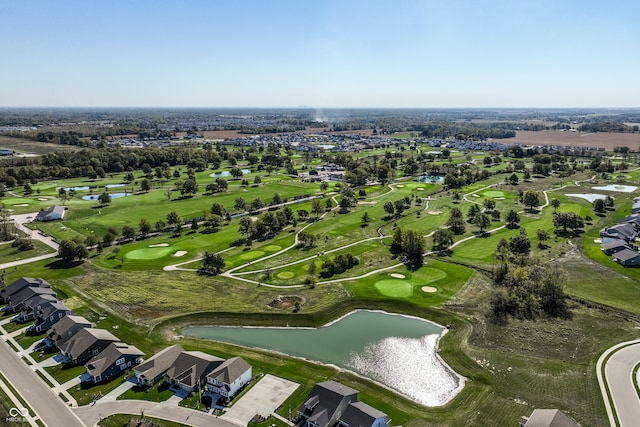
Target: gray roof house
33 305
67 327
150 371
49 315
359 414
622 231
50 214
85 344
190 369
113 360
614 246
229 377
19 285
326 402
627 258
547 418
18 299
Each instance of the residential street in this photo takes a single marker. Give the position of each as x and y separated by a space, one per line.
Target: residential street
19 221
49 407
620 378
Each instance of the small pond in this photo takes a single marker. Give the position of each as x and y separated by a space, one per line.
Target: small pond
616 187
114 185
591 197
228 173
431 179
113 196
395 350
83 188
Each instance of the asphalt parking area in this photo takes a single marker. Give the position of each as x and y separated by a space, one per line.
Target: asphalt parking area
263 399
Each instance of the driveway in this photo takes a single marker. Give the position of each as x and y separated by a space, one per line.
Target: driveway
262 399
19 221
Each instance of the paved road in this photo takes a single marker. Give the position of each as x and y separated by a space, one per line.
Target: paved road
92 414
19 221
619 377
49 407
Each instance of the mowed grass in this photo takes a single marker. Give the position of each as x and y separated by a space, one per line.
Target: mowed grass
9 253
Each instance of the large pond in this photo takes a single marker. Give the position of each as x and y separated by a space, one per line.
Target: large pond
431 179
397 351
113 196
591 197
620 188
228 173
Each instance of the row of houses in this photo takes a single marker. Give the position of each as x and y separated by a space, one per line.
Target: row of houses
618 240
33 299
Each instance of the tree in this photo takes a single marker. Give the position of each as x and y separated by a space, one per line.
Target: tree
543 236
389 208
104 198
324 186
455 221
513 179
599 206
365 219
399 206
519 244
495 215
608 201
555 204
246 226
212 264
189 186
159 225
236 172
173 218
473 211
442 239
257 180
144 226
70 250
145 185
218 209
62 195
128 232
532 199
413 245
316 208
489 204
482 220
569 222
513 219
240 204
396 242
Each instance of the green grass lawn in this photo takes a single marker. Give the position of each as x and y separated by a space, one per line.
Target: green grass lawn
121 420
25 341
86 392
9 253
159 392
66 372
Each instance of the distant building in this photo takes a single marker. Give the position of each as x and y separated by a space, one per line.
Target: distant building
6 152
50 214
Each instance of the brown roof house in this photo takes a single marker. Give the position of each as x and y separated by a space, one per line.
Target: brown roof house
113 360
85 344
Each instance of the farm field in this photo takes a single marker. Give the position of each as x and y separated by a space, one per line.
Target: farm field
605 140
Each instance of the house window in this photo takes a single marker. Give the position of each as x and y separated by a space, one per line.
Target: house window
120 361
123 367
50 317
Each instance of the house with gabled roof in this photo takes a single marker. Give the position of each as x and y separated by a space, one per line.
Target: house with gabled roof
85 344
613 246
229 377
627 258
19 285
17 300
48 315
33 305
152 370
326 402
115 359
623 231
50 214
547 418
67 327
359 414
190 369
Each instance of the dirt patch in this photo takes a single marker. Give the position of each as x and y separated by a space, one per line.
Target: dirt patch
429 289
397 275
286 302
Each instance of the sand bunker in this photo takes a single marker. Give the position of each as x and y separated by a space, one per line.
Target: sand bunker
597 240
434 212
180 253
397 275
429 289
400 185
42 199
21 205
159 245
420 188
499 198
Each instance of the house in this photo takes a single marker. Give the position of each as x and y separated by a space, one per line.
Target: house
547 418
33 305
85 344
635 206
17 300
190 369
613 246
627 258
113 360
326 402
49 315
50 214
152 370
229 377
66 327
623 231
359 414
20 284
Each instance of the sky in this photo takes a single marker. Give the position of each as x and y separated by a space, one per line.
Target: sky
320 53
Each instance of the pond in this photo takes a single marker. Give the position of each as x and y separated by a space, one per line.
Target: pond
615 187
228 173
431 179
114 185
83 188
591 197
113 196
394 350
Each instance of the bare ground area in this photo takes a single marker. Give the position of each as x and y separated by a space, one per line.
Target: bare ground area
577 139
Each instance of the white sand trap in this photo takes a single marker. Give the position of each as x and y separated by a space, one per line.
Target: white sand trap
397 275
429 289
420 188
434 212
367 203
498 198
400 185
21 205
475 195
180 253
42 199
159 245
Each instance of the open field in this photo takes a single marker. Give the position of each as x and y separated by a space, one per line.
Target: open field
608 140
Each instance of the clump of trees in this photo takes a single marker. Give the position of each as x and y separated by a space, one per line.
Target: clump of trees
212 264
71 250
338 265
410 245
